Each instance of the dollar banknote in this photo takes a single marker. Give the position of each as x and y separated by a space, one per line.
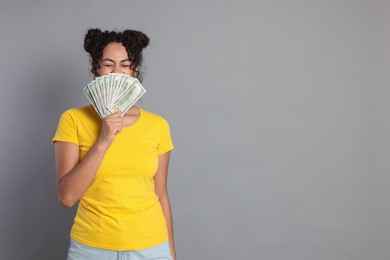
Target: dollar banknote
128 98
113 93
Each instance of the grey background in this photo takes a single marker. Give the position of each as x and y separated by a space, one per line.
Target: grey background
279 112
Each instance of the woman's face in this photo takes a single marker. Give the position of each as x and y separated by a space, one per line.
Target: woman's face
115 60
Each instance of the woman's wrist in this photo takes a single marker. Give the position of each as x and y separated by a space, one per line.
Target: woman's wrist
101 145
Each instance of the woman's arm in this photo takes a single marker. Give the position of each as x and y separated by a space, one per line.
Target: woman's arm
160 180
75 176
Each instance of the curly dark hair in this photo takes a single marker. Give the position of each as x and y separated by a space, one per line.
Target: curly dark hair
134 41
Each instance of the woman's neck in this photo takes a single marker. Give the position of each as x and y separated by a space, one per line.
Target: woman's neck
131 116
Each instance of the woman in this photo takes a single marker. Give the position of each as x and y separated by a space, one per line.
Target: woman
115 167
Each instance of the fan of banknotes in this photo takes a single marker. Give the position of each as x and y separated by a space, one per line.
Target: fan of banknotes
113 93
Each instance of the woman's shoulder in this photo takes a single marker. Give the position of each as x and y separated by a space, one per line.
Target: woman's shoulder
80 111
153 116
81 114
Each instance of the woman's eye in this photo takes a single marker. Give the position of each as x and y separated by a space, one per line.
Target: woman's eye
107 65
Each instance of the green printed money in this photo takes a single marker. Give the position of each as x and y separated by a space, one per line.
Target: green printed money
113 93
128 98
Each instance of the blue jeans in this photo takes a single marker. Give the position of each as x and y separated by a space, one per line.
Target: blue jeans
78 251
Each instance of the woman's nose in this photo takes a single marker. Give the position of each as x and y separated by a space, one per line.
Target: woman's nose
116 69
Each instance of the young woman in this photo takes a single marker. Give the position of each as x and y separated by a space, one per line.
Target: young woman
116 167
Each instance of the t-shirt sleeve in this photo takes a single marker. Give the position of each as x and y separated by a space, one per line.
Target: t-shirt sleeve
166 144
66 129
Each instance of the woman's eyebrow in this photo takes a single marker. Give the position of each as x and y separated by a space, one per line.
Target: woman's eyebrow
106 59
111 60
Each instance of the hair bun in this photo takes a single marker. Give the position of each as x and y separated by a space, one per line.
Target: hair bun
140 38
91 38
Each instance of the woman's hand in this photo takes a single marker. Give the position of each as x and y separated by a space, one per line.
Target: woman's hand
112 125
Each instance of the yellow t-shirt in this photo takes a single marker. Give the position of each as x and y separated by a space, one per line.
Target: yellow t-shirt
120 210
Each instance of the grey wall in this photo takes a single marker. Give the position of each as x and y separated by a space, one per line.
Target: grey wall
279 112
